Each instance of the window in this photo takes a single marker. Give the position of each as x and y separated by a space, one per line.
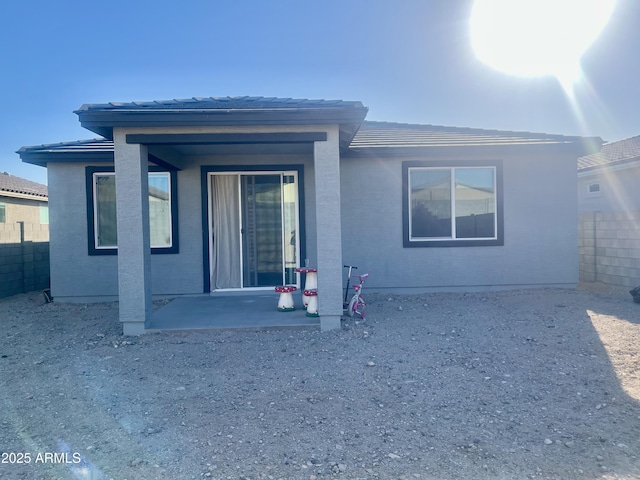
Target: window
160 210
593 190
101 202
456 204
44 215
3 213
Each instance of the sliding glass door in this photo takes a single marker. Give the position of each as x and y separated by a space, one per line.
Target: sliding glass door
254 224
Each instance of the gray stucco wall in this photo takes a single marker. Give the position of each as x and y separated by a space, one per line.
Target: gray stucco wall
540 228
618 190
73 272
77 276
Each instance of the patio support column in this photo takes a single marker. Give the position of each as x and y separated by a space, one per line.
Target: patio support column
326 157
134 252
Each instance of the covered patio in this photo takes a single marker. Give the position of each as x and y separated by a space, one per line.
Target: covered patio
229 311
234 144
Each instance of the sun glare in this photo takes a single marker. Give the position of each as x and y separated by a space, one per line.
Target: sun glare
537 37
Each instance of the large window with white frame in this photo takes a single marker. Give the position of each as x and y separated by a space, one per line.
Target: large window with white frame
453 204
101 201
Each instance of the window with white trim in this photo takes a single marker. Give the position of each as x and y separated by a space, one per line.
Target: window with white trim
103 235
104 210
452 205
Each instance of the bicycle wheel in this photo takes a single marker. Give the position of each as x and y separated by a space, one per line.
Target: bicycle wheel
360 307
353 305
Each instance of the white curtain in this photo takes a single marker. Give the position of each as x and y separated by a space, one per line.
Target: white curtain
226 232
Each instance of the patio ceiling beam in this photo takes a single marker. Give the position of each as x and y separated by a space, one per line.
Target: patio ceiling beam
163 163
225 138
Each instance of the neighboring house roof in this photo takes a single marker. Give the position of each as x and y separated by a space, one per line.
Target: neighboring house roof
12 186
613 153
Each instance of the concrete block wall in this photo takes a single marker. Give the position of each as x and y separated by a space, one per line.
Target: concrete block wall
24 258
609 247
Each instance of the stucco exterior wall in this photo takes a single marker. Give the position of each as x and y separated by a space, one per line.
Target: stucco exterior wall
78 277
74 274
540 228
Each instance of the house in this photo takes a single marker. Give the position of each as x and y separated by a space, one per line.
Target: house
609 205
252 187
24 235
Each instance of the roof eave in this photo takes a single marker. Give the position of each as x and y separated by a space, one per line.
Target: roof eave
610 166
26 196
102 121
576 147
41 158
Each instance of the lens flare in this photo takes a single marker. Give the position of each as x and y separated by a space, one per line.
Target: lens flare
537 37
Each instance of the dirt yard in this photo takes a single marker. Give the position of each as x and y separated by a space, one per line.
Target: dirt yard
510 385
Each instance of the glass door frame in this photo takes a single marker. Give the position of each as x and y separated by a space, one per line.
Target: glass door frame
295 173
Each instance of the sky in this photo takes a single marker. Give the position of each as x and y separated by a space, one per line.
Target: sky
409 61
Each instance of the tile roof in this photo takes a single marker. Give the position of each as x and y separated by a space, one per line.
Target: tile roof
223 111
222 103
10 185
98 150
92 145
612 153
388 134
371 135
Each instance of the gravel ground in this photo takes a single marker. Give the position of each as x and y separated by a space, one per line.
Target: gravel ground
507 385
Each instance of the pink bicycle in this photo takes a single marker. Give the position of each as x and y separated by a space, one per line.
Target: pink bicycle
356 305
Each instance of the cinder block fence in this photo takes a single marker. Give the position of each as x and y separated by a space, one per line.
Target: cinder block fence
609 247
24 258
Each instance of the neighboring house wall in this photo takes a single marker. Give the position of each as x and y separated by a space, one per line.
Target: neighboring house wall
618 189
609 247
609 221
24 247
540 234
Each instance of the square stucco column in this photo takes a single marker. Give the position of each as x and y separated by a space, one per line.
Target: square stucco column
134 252
326 157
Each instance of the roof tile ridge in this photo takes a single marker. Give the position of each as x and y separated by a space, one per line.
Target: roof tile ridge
634 137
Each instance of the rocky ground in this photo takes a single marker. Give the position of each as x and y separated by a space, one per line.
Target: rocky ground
508 385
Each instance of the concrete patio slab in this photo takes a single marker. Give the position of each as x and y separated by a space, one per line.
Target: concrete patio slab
257 311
